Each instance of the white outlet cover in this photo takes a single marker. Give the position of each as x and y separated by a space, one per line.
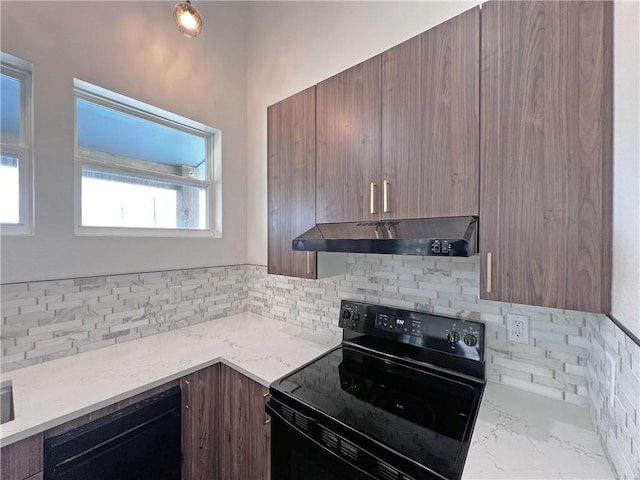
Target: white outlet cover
518 328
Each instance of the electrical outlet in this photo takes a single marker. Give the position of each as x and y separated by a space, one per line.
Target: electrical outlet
175 294
610 378
517 328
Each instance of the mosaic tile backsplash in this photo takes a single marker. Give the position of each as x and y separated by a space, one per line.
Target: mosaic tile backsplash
45 320
617 422
565 358
553 364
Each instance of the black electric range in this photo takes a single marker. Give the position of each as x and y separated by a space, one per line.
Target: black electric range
396 401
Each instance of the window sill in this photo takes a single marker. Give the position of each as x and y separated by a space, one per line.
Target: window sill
17 230
145 232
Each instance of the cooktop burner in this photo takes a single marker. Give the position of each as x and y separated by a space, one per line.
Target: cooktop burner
317 384
402 406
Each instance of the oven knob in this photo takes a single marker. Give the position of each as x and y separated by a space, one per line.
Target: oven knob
470 339
453 338
355 319
346 314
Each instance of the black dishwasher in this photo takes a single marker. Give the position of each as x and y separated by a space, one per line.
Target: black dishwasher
139 442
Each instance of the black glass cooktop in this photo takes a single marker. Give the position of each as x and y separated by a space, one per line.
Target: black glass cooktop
423 414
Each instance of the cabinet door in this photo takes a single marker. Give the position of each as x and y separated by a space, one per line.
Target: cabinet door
22 460
430 124
291 182
200 424
546 167
348 113
245 450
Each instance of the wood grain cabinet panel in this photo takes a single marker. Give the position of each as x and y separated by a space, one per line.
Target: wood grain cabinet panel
245 444
348 112
291 168
200 424
546 155
22 460
430 121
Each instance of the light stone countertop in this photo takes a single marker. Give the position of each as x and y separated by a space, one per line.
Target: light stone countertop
522 435
517 434
51 393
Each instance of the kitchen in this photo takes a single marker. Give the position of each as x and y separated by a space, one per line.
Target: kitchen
245 56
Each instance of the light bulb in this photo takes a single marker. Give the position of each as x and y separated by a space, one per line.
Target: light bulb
187 19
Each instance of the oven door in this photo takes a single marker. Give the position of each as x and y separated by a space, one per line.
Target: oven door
297 456
303 448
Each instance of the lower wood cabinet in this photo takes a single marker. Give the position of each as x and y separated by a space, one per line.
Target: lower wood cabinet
200 424
245 443
225 430
22 460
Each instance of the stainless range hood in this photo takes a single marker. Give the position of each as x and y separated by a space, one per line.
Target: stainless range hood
446 236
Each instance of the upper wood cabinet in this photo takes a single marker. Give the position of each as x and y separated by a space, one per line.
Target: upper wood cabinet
398 135
291 182
546 155
348 112
430 124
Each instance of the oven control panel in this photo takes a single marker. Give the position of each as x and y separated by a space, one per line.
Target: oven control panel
392 323
353 315
453 336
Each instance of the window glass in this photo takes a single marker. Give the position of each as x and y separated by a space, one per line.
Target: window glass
10 115
139 202
9 190
131 140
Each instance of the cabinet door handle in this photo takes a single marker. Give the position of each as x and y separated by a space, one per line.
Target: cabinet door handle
385 196
489 272
188 385
372 199
308 266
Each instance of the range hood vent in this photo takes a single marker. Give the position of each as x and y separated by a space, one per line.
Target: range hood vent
445 236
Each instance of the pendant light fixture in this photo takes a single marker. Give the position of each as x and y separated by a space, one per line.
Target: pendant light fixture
187 18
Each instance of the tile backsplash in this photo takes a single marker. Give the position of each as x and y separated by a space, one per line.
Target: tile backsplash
45 320
565 358
617 423
553 364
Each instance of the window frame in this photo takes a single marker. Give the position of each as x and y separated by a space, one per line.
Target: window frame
100 161
21 70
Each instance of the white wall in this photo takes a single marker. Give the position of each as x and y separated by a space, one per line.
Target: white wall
626 153
135 49
293 45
